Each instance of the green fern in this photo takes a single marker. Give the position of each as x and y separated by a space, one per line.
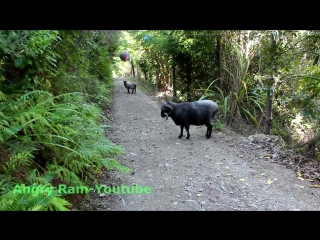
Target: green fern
2 96
112 164
5 184
64 174
65 137
52 132
35 177
13 201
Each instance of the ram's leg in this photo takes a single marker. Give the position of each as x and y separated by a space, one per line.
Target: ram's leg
132 91
128 90
181 134
209 130
187 129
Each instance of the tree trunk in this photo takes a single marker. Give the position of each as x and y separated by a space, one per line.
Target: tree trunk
269 102
189 80
218 60
174 81
268 122
160 85
145 76
132 69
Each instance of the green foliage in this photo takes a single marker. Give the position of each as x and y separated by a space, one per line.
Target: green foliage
281 130
218 124
86 65
18 200
27 59
15 197
53 86
62 134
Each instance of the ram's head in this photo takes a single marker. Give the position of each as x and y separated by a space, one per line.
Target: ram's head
166 110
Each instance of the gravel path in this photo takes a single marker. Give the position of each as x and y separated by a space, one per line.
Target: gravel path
227 172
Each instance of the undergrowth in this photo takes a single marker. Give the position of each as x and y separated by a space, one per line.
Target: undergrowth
44 138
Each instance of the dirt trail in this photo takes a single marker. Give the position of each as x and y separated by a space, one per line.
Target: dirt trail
222 173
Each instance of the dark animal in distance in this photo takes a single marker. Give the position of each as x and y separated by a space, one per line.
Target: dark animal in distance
191 113
130 85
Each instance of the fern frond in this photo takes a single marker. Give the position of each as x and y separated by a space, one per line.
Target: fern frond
112 164
2 96
39 95
6 185
18 161
64 174
35 178
58 203
13 201
8 132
